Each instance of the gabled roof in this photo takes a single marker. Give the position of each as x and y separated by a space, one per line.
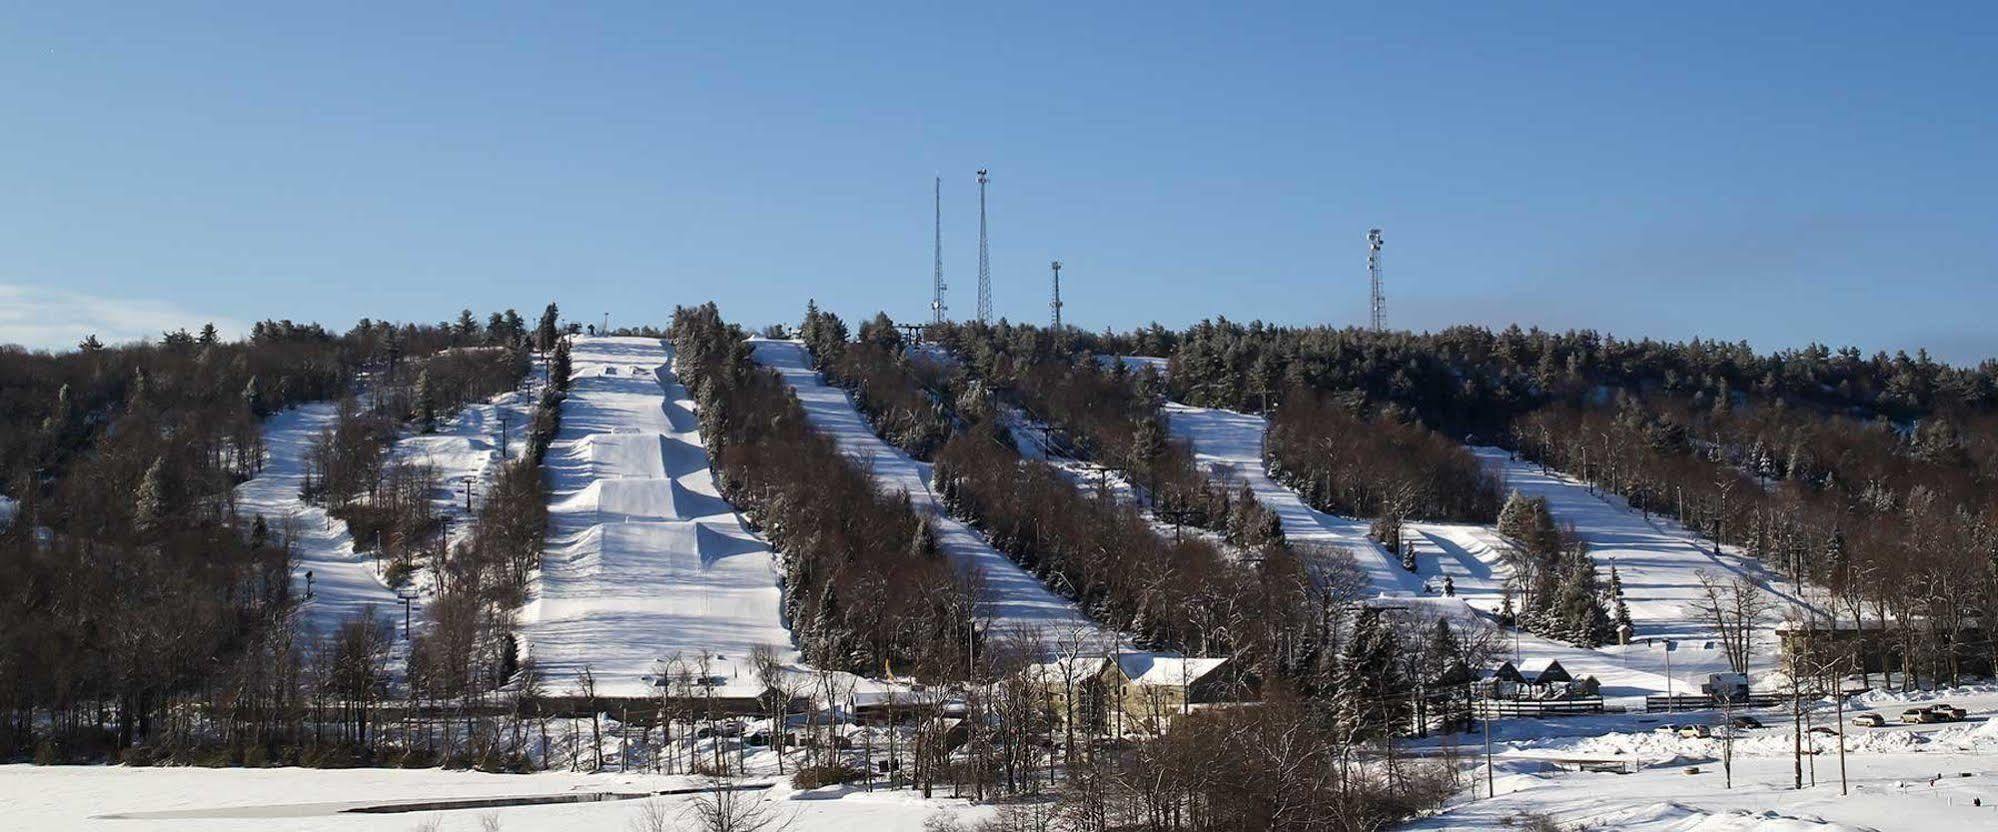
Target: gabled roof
1554 673
1507 673
1165 668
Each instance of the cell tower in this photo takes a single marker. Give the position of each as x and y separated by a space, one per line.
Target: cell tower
1378 300
937 286
984 262
1056 303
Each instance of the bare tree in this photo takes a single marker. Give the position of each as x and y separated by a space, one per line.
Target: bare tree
1735 608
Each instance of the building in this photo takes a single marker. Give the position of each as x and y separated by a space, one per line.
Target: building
1136 692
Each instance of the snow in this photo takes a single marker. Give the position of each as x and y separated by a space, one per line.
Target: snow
344 581
71 798
1658 560
1230 445
645 560
1014 599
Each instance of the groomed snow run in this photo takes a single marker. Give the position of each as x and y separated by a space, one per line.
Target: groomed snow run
343 581
645 560
1014 600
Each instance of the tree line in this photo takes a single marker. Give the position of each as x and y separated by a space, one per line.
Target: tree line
145 607
864 584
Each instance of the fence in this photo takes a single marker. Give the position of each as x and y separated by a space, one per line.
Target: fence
1698 702
1499 708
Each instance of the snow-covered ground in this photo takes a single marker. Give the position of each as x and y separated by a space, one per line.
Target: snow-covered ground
1230 445
344 580
1658 560
1902 776
66 798
645 560
1014 599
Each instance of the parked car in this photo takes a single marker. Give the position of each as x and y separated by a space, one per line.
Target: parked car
1693 732
1869 720
1824 729
1667 728
1915 716
1947 713
1745 721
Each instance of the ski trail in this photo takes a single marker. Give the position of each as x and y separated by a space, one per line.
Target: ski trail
1014 599
645 560
1230 445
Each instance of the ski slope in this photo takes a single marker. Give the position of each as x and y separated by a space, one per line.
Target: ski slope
1659 561
645 560
1230 446
1014 599
344 582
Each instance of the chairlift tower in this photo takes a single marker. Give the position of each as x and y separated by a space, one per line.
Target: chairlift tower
984 261
937 287
1056 303
1377 302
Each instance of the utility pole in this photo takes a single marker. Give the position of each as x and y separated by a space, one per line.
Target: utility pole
1056 304
606 328
936 279
984 260
1377 302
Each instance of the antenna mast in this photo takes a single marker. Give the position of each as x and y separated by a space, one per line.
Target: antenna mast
984 262
1056 304
937 286
1378 301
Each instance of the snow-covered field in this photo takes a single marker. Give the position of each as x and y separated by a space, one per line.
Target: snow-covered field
64 798
1013 598
1902 776
645 560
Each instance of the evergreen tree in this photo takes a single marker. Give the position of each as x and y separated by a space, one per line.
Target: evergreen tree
426 402
558 371
253 398
1370 686
208 335
153 505
546 333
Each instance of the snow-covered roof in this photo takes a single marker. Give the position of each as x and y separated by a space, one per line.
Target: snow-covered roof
1165 668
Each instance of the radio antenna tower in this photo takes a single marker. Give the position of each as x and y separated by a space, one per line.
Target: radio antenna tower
937 286
984 262
1056 304
1378 301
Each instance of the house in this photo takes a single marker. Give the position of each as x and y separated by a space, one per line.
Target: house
1134 692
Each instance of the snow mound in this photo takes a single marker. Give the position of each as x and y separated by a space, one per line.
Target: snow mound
617 501
641 456
1672 816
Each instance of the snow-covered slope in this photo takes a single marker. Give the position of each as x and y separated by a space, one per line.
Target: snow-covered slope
1230 445
1659 561
344 582
1013 599
645 560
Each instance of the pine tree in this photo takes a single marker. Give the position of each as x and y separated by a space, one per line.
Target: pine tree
208 334
153 505
1512 518
426 402
545 333
558 371
253 398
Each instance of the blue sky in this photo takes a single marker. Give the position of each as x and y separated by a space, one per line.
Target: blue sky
1781 174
